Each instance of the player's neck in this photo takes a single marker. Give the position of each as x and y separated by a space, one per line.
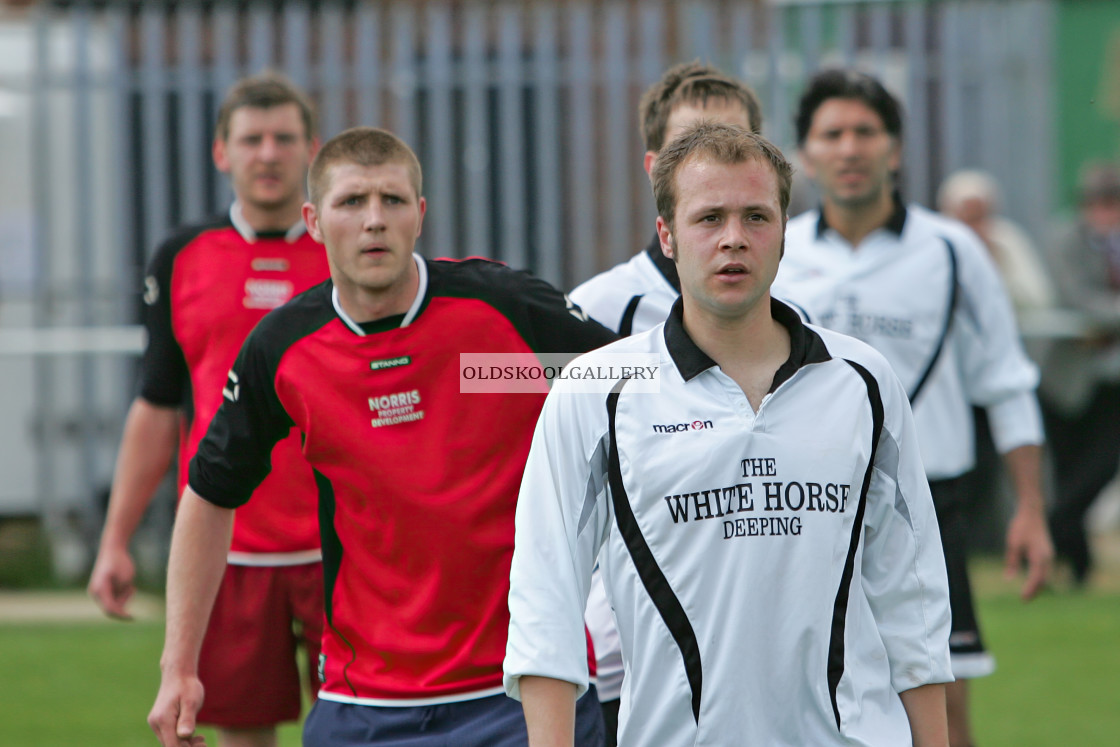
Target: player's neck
855 222
364 305
750 349
272 218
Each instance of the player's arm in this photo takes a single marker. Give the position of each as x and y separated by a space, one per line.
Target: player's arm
999 376
560 525
147 448
1028 537
550 711
148 442
925 709
199 544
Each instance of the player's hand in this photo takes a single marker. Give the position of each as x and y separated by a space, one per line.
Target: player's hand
1028 542
111 582
173 716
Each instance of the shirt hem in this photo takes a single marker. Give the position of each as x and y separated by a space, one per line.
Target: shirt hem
265 559
410 702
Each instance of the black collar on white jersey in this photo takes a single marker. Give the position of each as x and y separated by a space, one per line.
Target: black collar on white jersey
805 345
894 224
665 266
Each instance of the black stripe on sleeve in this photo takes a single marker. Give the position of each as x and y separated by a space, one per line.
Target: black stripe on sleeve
626 326
951 309
840 606
654 581
332 562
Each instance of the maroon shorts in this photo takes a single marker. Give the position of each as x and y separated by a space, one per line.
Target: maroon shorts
248 663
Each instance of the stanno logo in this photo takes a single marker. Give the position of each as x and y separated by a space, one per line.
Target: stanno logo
270 264
403 360
695 425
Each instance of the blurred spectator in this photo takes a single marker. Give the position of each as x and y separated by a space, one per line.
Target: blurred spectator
1081 381
974 198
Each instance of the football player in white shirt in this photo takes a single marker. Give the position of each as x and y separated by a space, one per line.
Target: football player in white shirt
763 521
922 290
637 294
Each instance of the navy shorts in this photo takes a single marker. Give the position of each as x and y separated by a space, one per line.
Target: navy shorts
495 721
968 656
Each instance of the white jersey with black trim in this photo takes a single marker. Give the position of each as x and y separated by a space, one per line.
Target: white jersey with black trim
634 295
923 291
777 575
631 297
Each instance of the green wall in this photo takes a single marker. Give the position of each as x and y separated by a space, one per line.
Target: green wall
1087 58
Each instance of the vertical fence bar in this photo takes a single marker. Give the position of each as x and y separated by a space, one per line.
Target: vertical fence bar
476 136
619 157
951 129
368 65
82 224
332 99
775 71
438 155
153 123
846 35
652 63
511 136
297 49
583 248
44 383
1032 196
547 172
403 76
261 31
811 38
194 159
224 26
879 22
915 142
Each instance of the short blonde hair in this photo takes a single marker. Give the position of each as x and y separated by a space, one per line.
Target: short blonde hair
362 146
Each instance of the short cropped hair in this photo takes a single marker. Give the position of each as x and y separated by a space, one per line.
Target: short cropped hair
847 84
723 144
266 91
362 146
691 83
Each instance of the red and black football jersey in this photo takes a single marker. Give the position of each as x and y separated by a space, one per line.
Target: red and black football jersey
206 288
417 481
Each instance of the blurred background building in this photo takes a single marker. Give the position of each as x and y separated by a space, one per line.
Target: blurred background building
523 113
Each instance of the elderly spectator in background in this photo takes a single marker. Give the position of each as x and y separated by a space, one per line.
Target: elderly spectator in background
1081 381
974 198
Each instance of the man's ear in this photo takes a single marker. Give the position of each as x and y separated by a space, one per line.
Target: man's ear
648 160
311 220
221 158
665 235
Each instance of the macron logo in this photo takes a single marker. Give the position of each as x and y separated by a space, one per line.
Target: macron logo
695 425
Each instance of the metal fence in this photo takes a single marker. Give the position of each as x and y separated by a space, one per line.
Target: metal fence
524 115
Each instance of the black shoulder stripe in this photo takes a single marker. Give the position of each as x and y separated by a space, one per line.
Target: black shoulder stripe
840 606
627 324
950 310
654 581
332 562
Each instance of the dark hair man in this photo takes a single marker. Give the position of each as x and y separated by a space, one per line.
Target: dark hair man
922 290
